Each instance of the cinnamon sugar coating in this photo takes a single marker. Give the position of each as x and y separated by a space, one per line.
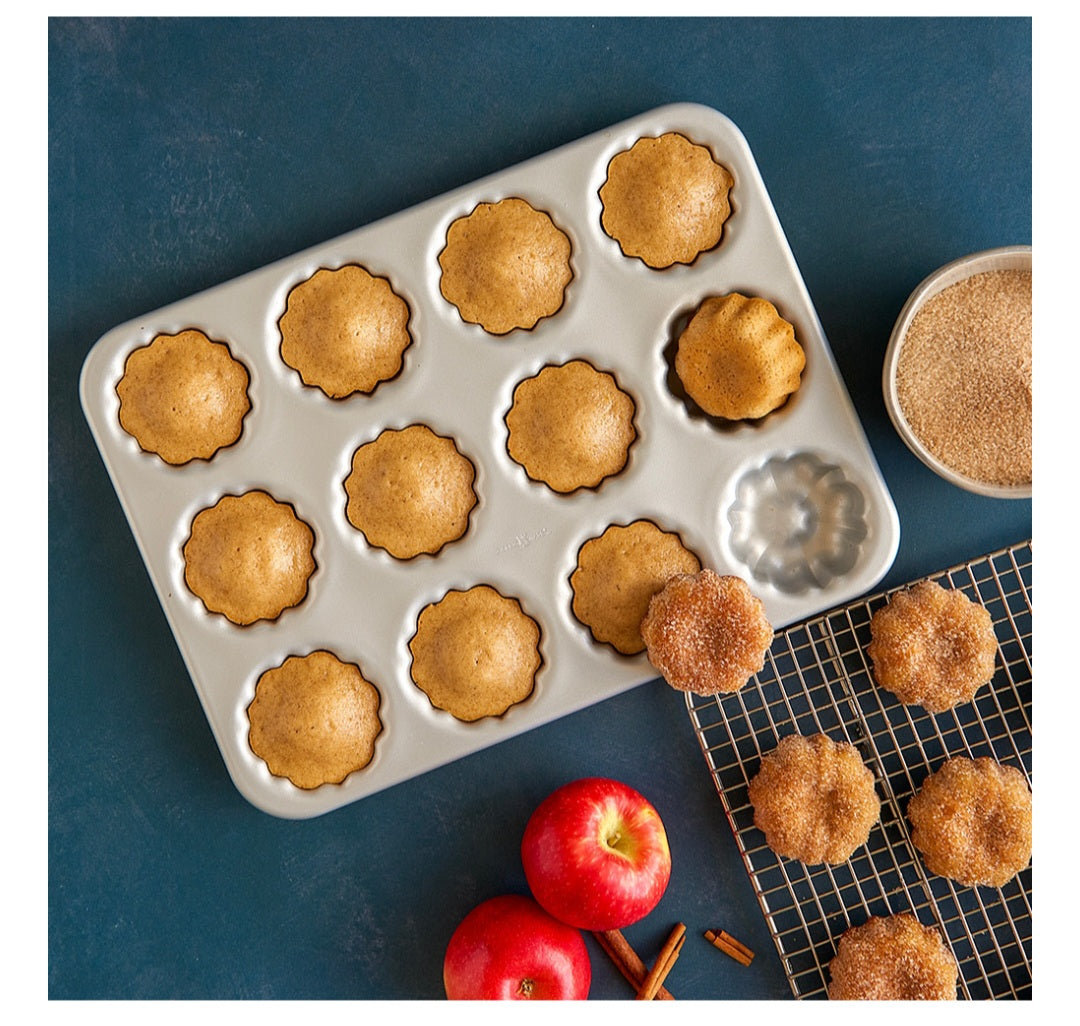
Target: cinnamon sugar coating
814 799
971 821
617 574
932 646
505 266
738 358
665 200
892 958
964 376
706 632
314 719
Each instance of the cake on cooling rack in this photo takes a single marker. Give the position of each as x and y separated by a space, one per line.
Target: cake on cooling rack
971 821
892 958
814 799
932 646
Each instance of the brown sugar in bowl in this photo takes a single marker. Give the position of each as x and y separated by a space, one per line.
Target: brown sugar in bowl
957 373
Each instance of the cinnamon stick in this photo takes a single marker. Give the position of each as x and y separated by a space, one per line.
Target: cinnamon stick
626 960
663 964
730 946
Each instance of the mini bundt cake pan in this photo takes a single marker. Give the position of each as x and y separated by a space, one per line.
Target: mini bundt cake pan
794 502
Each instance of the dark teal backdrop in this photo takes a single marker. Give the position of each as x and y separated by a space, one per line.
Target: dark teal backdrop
185 152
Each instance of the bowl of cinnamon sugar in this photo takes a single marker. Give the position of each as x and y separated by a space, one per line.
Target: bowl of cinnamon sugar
957 373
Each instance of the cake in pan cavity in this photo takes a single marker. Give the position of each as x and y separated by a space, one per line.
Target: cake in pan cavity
505 266
570 426
344 331
666 200
183 397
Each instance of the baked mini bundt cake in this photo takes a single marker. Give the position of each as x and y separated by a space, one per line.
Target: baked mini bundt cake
410 491
892 958
314 719
344 331
183 397
665 200
932 646
506 265
706 632
475 653
814 799
570 426
249 557
616 576
738 358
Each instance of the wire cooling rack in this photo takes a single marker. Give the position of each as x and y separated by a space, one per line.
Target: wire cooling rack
817 678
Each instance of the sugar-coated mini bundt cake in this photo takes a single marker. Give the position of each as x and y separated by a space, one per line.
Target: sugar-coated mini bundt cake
665 200
183 396
475 653
814 799
892 958
410 491
617 574
344 331
738 358
314 719
505 266
706 632
932 646
971 821
570 426
249 557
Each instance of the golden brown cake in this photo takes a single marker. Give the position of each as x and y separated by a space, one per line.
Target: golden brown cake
314 719
665 200
617 574
505 266
410 491
475 653
706 632
892 958
971 821
738 358
344 330
814 799
932 646
249 557
570 426
183 396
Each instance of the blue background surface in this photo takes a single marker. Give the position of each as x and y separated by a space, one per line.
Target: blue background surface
185 152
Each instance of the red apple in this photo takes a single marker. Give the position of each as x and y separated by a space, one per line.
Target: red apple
596 854
509 948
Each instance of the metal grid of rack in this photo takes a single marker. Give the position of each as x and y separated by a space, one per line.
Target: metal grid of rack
817 678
